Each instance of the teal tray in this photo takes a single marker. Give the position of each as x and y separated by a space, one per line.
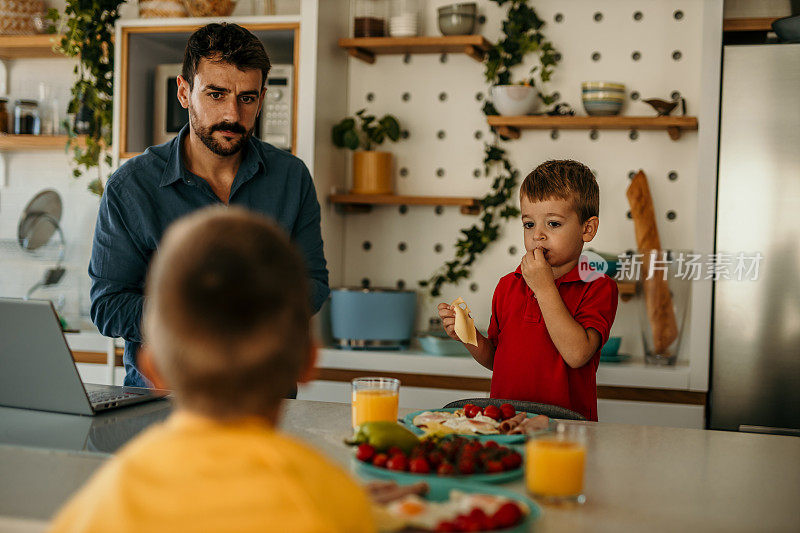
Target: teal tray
439 490
366 469
408 420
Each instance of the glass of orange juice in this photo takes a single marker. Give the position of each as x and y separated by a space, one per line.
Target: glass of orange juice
554 465
375 399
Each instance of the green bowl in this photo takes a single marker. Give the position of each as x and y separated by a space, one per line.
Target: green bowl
366 469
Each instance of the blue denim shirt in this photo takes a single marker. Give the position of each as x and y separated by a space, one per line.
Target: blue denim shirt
149 192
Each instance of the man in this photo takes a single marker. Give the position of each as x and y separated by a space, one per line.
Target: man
213 160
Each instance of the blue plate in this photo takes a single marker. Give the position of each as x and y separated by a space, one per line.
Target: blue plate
440 491
408 420
366 469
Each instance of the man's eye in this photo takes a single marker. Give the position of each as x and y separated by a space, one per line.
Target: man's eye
248 99
527 225
215 96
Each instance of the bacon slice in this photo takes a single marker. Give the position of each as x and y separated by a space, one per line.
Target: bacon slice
383 492
530 425
507 425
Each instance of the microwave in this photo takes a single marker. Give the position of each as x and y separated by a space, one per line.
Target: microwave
274 124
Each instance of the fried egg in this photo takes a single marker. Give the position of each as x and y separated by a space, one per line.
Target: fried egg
413 511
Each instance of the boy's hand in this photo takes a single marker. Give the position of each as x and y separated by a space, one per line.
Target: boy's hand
448 316
536 271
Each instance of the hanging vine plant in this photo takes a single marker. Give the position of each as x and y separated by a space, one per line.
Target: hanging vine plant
521 35
88 27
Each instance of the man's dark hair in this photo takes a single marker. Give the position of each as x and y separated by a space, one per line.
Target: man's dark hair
225 43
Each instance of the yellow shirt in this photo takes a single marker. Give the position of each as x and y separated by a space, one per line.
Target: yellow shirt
194 474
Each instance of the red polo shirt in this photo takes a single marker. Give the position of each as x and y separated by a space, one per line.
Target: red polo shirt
527 365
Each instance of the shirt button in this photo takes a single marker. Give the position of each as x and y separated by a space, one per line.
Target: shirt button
190 181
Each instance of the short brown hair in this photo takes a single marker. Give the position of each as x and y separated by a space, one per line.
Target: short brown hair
227 313
224 43
564 179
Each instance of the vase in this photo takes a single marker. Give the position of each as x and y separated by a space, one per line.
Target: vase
372 172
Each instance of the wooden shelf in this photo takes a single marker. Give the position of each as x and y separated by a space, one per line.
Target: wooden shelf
748 24
363 203
10 143
28 46
366 48
510 126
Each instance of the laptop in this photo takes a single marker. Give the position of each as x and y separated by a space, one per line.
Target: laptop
37 370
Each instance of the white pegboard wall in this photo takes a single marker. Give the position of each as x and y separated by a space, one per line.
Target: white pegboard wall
654 48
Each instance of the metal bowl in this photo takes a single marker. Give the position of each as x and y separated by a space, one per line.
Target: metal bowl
456 23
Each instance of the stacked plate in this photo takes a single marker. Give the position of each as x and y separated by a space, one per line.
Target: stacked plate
602 98
403 25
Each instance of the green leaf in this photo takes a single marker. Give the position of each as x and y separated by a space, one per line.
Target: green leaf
350 139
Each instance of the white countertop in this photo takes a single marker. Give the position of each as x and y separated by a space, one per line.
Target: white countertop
634 373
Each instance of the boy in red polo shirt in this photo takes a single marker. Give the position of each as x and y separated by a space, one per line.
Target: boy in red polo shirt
551 316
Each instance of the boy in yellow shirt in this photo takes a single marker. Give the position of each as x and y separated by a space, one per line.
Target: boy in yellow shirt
227 327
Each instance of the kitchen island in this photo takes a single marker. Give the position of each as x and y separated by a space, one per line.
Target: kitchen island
637 477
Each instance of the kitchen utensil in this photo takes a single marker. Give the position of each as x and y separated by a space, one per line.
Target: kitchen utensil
373 318
515 99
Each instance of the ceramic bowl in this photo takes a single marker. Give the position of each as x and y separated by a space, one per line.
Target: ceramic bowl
515 99
611 347
467 8
603 86
603 95
788 29
602 108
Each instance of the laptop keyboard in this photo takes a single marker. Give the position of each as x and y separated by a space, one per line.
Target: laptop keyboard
107 396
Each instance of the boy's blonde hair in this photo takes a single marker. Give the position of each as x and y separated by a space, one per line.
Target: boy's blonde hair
227 313
564 179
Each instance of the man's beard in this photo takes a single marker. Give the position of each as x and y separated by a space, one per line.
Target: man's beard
206 134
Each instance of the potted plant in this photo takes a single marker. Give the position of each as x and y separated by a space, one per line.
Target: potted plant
372 169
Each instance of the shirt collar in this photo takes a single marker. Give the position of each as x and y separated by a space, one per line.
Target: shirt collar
174 170
572 275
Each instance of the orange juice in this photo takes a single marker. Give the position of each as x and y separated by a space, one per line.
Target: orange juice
554 468
370 405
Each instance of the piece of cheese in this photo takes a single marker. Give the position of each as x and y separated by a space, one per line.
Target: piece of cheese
464 326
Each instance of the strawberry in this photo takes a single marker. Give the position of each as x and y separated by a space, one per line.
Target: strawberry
492 411
490 444
506 516
435 458
466 466
394 450
512 461
365 452
508 411
419 466
445 527
473 411
380 460
494 466
478 516
397 462
445 469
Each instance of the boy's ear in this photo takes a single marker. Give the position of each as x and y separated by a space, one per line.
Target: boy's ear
147 365
309 373
590 228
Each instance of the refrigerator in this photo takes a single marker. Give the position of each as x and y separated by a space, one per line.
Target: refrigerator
755 359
